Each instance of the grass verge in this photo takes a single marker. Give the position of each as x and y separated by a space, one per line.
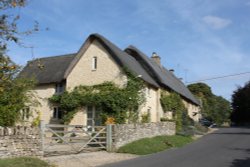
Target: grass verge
23 162
155 144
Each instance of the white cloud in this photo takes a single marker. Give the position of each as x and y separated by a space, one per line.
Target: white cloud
216 22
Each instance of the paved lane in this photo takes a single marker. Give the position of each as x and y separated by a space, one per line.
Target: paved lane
227 147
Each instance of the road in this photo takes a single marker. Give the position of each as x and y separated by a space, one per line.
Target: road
227 147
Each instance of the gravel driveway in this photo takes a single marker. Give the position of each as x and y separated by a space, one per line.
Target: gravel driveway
88 159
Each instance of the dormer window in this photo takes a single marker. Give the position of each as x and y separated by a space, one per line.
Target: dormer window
59 88
94 63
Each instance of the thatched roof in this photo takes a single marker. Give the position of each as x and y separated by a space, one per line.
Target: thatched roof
57 68
48 69
164 77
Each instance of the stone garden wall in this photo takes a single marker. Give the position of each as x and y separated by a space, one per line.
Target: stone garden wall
127 133
19 141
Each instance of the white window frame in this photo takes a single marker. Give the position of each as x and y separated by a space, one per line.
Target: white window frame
95 114
25 114
59 88
94 63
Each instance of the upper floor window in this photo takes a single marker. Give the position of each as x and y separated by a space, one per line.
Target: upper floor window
59 88
94 63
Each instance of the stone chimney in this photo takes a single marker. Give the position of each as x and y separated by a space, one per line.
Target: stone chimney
156 58
171 70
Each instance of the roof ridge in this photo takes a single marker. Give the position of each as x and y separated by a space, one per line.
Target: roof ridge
49 57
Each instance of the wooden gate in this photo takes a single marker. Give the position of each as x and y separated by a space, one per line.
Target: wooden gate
71 139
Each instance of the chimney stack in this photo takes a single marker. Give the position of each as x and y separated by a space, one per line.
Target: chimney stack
156 58
171 70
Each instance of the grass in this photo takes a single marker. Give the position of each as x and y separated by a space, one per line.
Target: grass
155 144
23 162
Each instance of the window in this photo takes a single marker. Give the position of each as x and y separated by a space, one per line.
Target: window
94 63
57 113
25 113
59 88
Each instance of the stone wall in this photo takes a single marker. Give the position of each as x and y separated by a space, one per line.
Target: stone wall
127 133
19 141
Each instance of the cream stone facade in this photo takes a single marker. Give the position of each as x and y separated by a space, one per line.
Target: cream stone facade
44 108
84 74
94 65
193 110
152 105
107 69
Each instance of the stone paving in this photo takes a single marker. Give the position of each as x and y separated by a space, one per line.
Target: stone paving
91 159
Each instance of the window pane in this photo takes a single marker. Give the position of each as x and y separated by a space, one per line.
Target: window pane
55 112
90 108
89 114
60 114
94 63
23 114
27 114
59 87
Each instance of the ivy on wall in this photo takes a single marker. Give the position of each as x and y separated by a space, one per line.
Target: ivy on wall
119 103
173 102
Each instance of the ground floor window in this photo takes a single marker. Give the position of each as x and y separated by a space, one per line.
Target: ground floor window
57 113
93 116
25 114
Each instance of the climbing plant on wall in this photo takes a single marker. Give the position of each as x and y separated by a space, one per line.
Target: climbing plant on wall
119 103
173 102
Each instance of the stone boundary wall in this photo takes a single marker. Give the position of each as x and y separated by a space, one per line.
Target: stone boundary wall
20 141
126 133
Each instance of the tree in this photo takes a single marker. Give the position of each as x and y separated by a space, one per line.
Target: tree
214 108
241 105
13 91
9 31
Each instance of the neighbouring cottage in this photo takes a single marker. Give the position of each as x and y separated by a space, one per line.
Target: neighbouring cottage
98 60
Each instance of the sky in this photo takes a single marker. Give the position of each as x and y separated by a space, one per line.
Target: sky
199 39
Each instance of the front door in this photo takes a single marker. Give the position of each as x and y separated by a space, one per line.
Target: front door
93 117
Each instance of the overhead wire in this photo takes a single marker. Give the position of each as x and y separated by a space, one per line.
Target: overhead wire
219 77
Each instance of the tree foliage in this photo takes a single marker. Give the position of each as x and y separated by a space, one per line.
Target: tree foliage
214 108
9 30
241 104
13 90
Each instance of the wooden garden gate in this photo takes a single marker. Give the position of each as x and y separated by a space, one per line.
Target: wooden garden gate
72 139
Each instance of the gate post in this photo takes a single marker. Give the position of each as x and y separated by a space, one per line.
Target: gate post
42 130
109 140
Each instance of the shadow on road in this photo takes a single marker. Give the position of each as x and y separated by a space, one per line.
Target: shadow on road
241 162
228 133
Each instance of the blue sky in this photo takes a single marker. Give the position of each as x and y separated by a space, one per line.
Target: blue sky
198 38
